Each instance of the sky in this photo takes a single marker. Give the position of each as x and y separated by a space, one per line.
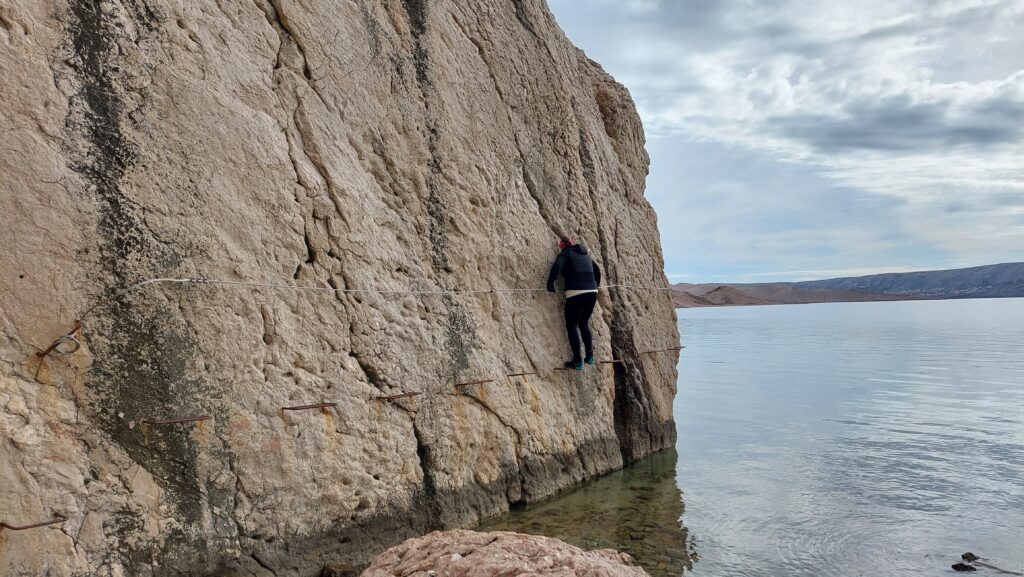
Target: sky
803 139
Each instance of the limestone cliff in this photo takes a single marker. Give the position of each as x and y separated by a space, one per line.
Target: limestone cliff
427 145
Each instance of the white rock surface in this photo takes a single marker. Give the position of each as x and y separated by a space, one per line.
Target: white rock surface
472 554
419 144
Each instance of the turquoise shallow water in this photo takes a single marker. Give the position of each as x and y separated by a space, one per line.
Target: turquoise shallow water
836 439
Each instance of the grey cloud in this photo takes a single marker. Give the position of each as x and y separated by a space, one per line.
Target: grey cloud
894 129
692 24
897 124
757 35
928 21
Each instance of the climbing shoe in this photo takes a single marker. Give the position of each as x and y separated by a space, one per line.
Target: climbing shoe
574 365
590 361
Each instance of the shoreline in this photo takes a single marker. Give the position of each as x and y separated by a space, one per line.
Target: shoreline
890 300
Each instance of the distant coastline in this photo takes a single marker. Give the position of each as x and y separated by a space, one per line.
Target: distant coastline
989 281
692 296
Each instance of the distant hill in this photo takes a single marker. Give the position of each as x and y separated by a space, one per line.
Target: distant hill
729 295
707 295
683 299
994 280
998 280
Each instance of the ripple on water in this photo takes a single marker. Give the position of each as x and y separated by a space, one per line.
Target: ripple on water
835 440
908 448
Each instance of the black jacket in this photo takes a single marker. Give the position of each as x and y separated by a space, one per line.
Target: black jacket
578 269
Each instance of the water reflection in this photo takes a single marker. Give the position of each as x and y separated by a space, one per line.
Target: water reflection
637 510
844 440
836 440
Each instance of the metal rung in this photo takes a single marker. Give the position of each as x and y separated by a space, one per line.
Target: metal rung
178 420
402 396
57 519
474 383
303 407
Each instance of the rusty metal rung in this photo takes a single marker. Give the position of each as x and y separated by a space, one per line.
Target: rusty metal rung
523 374
177 420
474 383
402 396
662 350
315 406
57 519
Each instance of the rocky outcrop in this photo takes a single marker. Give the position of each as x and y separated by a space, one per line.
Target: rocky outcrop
467 553
427 145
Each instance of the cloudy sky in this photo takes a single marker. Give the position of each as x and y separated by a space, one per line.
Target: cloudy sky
798 139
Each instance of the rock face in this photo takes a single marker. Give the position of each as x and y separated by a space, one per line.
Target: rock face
427 145
471 554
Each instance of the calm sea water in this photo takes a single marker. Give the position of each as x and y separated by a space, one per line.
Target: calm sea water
825 440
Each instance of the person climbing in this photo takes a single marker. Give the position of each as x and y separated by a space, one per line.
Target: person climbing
582 278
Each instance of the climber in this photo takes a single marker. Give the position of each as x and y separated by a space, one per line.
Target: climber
582 277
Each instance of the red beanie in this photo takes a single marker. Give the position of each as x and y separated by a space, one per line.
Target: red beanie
564 242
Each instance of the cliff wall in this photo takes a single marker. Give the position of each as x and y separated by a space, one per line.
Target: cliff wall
425 145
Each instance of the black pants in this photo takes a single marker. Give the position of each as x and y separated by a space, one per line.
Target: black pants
577 322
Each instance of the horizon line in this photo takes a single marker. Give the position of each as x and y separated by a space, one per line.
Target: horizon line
829 274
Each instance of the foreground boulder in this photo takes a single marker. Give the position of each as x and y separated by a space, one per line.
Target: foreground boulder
498 554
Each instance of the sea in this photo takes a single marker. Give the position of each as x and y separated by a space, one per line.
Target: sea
838 439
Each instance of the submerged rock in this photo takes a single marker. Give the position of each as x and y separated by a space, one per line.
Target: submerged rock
425 145
341 570
472 554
